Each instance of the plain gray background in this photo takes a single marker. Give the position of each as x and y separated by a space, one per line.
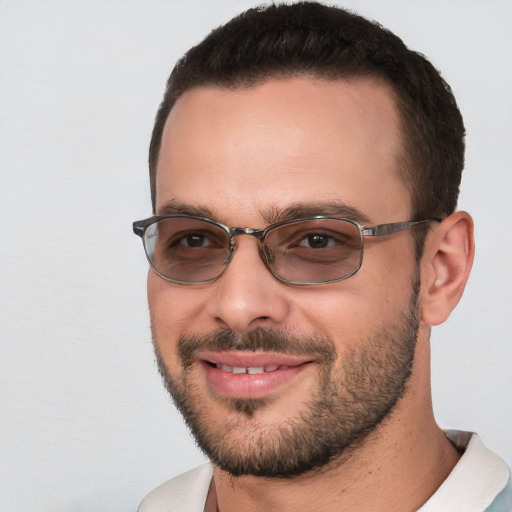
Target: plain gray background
86 425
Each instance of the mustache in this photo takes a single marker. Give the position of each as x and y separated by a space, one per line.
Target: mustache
260 339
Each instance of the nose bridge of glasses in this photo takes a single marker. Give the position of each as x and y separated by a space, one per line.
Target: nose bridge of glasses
256 233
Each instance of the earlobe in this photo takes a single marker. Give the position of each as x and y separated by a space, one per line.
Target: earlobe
446 264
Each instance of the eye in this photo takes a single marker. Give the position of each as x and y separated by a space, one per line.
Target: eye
198 239
194 240
318 241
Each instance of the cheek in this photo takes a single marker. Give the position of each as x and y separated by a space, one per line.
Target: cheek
351 311
340 313
174 311
171 305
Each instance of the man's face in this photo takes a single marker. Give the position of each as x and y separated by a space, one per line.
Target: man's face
277 379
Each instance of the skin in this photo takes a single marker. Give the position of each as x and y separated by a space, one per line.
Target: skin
242 154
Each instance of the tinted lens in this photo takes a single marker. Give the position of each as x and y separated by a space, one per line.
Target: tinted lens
186 250
314 251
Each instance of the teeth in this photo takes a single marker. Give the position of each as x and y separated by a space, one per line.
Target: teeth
251 370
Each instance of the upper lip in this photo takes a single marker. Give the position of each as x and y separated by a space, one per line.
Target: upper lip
247 359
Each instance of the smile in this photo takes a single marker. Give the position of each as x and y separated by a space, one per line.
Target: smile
245 374
251 370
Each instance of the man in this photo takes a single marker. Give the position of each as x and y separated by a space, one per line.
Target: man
304 174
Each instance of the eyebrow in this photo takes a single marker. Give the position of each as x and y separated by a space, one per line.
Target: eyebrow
175 207
303 210
275 213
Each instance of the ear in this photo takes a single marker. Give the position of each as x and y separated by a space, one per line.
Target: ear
445 266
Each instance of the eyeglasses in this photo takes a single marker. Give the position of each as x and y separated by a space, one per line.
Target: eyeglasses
191 250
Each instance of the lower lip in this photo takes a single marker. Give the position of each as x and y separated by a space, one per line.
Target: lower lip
259 385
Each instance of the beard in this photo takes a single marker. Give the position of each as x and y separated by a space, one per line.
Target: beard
354 395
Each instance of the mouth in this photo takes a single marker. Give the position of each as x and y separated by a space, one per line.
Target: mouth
250 374
251 370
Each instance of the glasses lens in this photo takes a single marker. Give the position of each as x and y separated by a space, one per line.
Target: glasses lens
186 250
314 251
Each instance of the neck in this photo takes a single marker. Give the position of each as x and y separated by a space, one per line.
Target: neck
397 467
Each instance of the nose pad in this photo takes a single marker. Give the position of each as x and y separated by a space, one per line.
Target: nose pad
266 254
231 252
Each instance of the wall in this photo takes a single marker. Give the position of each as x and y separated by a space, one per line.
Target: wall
85 423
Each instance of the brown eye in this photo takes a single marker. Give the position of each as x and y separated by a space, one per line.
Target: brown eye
317 241
194 240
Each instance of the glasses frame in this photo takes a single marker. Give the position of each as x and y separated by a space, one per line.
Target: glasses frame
140 227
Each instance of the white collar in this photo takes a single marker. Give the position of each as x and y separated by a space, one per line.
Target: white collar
474 482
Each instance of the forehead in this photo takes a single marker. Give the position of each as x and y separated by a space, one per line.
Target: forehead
280 143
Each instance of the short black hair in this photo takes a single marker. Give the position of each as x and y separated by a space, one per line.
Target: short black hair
312 39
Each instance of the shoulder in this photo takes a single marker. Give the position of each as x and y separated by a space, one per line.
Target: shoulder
478 482
186 492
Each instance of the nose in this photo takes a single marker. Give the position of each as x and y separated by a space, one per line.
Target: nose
247 295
